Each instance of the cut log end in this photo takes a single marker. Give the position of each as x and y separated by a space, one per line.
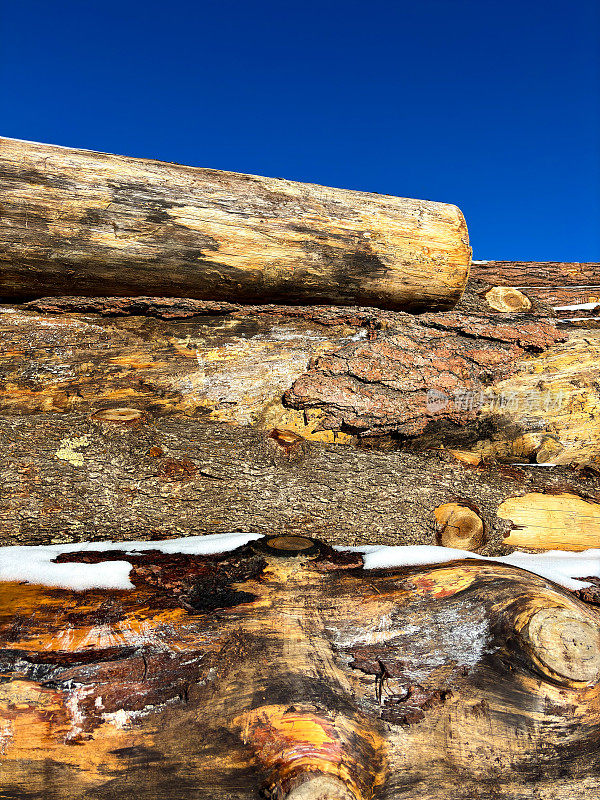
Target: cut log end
321 788
459 526
507 299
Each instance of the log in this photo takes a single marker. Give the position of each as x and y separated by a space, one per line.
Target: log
71 477
78 222
537 273
566 295
553 282
285 670
510 387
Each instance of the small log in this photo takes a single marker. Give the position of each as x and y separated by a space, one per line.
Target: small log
294 673
552 522
67 477
78 222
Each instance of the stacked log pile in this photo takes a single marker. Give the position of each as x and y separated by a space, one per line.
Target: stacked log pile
187 352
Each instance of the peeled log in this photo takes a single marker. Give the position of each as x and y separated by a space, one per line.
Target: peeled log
78 222
552 522
269 673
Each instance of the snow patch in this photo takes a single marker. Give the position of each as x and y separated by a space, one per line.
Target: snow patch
577 307
35 564
560 566
577 319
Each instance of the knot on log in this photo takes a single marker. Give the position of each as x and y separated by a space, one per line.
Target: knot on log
123 416
285 446
565 644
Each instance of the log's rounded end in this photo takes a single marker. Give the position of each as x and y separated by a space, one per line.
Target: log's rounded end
566 644
321 787
287 545
507 299
459 526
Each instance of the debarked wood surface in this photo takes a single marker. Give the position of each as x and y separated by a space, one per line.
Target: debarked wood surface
78 222
256 674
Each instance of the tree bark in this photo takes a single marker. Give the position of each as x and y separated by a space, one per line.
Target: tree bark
537 273
266 672
71 477
507 387
77 222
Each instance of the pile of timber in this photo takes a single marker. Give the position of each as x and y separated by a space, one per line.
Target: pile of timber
188 352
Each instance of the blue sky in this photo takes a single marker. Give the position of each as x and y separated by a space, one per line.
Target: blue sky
494 106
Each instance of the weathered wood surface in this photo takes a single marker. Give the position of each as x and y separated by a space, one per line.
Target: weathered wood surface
250 674
511 387
566 295
71 477
537 273
78 222
555 283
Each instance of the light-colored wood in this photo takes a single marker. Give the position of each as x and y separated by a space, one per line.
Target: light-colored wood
567 645
459 526
562 521
505 298
78 222
305 677
321 789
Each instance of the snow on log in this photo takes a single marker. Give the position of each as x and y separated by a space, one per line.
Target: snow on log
78 222
283 669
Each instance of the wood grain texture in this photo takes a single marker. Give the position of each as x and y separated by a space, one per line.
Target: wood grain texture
565 295
248 674
71 477
552 522
78 222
